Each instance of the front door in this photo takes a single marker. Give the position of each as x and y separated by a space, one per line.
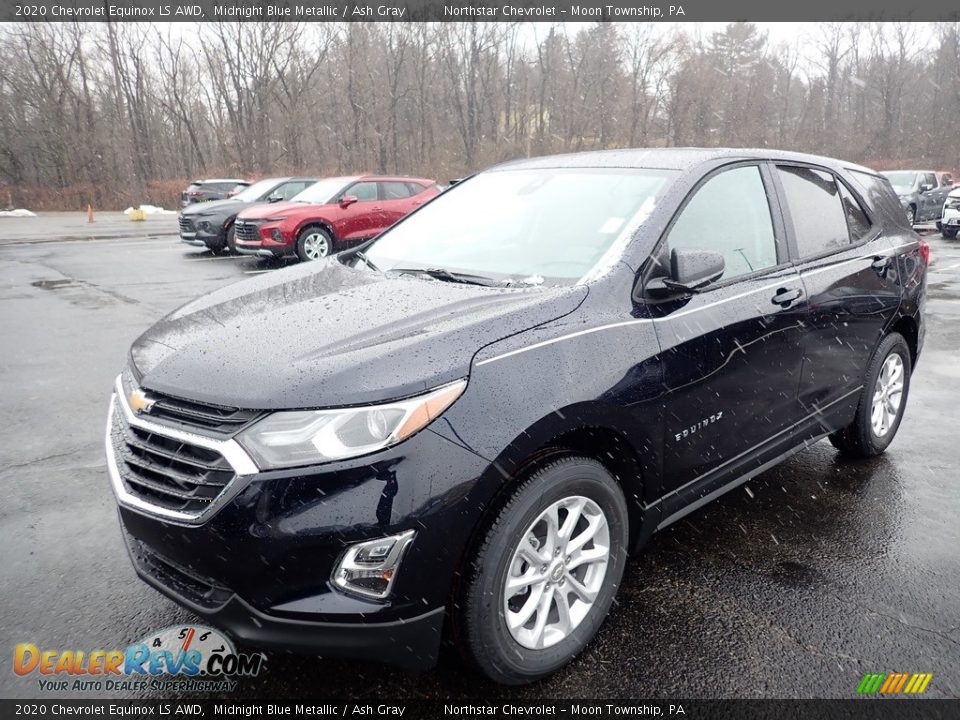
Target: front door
732 353
364 218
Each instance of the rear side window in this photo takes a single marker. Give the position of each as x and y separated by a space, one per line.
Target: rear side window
394 190
414 188
819 219
730 213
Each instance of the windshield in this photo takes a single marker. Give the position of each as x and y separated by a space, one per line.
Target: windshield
255 191
901 181
535 226
323 191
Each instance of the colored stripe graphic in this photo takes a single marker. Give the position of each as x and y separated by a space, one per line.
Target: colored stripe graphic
894 683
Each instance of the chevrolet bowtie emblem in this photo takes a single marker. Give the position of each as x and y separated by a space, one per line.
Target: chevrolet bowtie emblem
140 402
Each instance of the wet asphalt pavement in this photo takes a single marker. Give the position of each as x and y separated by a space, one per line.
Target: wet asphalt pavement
795 585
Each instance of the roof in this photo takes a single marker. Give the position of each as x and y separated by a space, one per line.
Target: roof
394 178
220 180
671 158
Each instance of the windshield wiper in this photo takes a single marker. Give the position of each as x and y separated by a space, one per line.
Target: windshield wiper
456 277
359 254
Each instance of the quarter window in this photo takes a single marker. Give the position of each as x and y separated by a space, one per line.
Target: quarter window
730 213
857 220
819 218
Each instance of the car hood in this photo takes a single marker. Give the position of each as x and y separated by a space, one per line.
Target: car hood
312 337
954 193
279 208
228 206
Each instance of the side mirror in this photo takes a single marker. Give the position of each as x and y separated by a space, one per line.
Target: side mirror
274 198
347 200
690 271
926 187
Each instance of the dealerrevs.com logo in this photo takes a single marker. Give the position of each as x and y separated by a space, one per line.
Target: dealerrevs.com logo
200 658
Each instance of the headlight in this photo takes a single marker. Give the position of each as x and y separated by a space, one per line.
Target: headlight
274 219
306 437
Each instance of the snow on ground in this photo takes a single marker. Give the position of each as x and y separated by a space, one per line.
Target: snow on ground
19 212
151 210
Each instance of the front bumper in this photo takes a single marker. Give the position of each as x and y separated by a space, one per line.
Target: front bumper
951 217
411 643
260 563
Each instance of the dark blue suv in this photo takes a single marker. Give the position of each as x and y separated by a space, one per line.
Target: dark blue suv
462 428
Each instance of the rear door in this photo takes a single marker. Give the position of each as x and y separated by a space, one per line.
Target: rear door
930 200
731 354
849 276
396 201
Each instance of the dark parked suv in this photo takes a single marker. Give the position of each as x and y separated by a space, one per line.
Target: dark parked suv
211 224
468 422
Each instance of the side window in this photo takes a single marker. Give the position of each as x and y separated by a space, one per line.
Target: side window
363 191
730 213
946 180
288 190
415 189
929 179
819 219
394 190
857 220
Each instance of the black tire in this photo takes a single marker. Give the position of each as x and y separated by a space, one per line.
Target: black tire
304 240
948 233
859 439
486 639
217 246
232 239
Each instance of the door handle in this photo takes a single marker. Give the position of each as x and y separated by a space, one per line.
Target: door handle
784 297
880 262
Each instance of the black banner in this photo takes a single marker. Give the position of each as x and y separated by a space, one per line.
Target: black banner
473 10
865 709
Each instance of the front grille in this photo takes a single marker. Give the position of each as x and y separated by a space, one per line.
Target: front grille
165 472
247 231
226 420
186 225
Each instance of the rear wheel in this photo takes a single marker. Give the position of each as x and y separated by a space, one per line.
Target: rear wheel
314 243
882 401
547 572
911 215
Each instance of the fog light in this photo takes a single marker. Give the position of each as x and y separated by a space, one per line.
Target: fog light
276 235
370 568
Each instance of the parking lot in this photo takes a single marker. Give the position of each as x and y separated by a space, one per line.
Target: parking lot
795 585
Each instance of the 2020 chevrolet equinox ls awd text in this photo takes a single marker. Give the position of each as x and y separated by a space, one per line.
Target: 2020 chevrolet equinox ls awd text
461 428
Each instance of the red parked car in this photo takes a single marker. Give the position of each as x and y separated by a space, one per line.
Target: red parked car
329 215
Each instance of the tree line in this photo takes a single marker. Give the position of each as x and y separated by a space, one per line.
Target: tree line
116 114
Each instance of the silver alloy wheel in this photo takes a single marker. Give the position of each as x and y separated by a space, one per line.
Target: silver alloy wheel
316 245
887 395
911 216
556 572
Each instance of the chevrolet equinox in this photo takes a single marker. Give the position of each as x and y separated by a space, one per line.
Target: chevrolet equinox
458 431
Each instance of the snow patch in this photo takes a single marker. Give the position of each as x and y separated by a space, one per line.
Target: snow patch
150 210
19 212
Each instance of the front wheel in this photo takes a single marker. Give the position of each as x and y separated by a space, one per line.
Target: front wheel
232 239
948 233
314 243
547 572
911 215
882 401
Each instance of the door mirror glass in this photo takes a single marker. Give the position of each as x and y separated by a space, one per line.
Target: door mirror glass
347 200
274 198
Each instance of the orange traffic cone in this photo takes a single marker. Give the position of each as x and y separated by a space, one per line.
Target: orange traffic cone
90 213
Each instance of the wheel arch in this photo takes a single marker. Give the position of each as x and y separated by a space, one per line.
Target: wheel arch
325 225
907 326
